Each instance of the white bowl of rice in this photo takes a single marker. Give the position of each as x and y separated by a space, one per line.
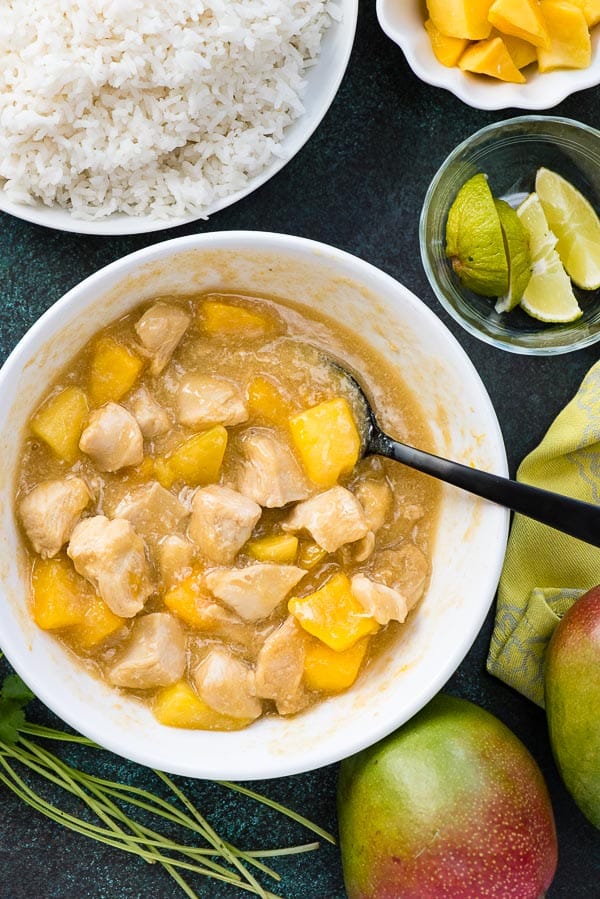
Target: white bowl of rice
125 116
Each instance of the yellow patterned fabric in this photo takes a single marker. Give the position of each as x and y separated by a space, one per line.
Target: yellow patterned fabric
545 571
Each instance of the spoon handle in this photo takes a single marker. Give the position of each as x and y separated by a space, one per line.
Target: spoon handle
571 516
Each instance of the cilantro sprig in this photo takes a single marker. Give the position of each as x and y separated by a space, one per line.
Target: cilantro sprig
14 696
23 762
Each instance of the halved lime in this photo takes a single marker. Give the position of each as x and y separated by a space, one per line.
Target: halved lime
516 245
474 239
576 225
549 295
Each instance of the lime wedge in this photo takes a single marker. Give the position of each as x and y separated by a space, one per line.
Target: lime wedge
576 225
474 240
548 295
541 239
516 244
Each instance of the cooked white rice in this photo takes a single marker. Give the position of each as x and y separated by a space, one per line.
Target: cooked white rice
155 107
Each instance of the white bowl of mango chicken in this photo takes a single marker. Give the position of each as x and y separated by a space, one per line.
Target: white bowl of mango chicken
199 572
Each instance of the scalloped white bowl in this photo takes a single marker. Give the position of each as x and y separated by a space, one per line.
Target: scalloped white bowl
402 21
322 83
467 551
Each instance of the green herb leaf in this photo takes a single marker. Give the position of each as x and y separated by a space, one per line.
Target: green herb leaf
14 688
12 719
14 695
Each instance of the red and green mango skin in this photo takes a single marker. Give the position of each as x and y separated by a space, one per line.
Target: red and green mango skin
451 806
572 688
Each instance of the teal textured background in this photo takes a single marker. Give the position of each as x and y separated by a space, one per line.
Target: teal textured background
358 184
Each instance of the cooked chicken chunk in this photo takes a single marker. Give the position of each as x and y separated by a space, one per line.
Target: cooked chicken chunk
270 474
150 415
222 520
214 620
253 592
204 400
383 603
112 557
226 684
50 511
160 329
175 557
280 666
154 655
375 496
332 518
405 569
112 438
153 511
360 550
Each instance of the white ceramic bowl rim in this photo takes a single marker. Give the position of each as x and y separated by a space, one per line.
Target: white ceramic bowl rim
403 24
323 82
322 749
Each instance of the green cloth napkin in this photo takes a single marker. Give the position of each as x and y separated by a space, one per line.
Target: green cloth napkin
545 571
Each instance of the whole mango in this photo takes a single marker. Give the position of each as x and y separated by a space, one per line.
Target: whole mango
572 687
450 806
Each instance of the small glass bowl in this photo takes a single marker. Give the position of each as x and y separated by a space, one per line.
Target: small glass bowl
510 153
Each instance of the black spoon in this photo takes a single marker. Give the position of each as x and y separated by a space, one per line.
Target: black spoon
571 516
